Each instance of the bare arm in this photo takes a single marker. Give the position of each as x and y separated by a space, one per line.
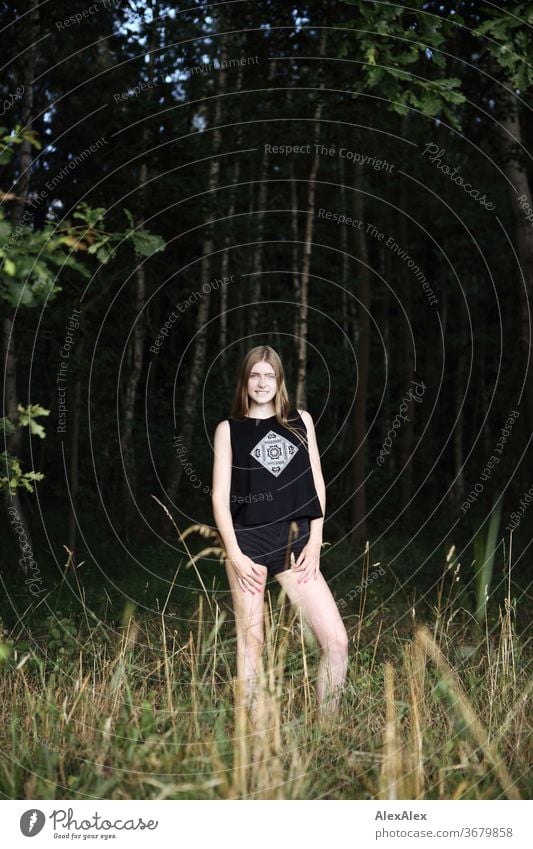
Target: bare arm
315 525
249 574
221 488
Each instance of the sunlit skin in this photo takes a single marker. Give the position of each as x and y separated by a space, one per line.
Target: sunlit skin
247 580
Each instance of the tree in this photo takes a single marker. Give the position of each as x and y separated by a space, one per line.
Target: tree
508 56
200 336
399 51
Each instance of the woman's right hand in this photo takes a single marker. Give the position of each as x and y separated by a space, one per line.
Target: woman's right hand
249 574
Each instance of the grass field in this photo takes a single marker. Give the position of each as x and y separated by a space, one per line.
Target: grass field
146 706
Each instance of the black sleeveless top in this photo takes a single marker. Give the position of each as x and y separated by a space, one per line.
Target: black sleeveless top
271 476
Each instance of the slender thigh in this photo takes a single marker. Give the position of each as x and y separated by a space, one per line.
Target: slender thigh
247 607
317 604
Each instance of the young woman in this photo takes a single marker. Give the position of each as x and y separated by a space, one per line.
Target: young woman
268 503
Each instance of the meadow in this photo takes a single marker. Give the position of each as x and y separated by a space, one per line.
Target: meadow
144 704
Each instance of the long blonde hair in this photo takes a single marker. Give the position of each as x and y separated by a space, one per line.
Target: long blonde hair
282 405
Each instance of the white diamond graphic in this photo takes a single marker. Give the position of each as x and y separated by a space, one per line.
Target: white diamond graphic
274 452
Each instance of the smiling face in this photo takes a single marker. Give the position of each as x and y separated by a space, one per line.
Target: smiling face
262 383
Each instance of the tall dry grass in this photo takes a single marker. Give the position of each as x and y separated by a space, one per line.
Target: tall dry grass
152 711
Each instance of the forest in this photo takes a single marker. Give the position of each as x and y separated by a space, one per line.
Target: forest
348 182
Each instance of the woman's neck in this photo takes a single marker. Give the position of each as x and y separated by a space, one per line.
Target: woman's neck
261 411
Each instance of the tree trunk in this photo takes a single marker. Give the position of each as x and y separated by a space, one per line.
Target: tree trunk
198 358
349 312
258 220
407 353
75 421
259 223
301 401
223 326
457 492
511 142
359 530
295 260
135 360
135 356
347 303
386 273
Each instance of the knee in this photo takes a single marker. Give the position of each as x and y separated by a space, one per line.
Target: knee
251 642
338 643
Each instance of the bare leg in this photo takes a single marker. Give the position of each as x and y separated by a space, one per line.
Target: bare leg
248 610
318 606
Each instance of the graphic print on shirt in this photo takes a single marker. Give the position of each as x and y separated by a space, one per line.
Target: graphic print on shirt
274 452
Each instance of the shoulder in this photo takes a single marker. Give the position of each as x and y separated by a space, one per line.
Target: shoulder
222 440
307 418
222 428
311 438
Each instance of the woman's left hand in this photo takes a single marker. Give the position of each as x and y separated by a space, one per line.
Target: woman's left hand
308 563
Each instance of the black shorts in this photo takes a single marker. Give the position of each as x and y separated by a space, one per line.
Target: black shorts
271 544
